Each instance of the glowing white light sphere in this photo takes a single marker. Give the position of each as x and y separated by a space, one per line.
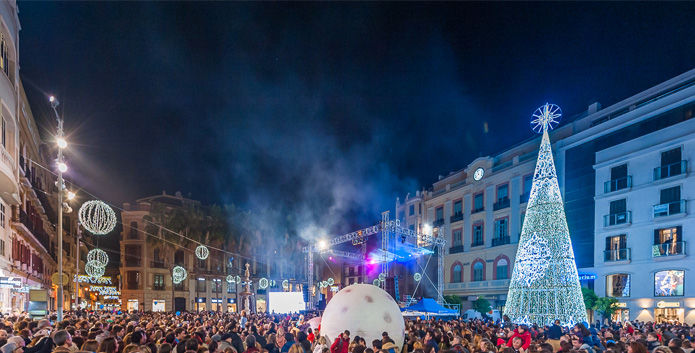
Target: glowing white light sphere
382 276
230 279
62 167
93 269
376 282
366 311
97 217
263 283
285 284
178 274
99 257
202 252
330 281
61 142
417 277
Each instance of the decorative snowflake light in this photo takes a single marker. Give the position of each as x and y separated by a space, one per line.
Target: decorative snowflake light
263 283
202 252
97 217
376 282
93 269
545 284
330 281
546 118
99 257
417 277
285 284
178 274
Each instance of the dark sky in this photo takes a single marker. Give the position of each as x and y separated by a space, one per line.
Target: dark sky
326 111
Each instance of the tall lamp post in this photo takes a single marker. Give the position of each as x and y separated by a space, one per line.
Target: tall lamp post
62 168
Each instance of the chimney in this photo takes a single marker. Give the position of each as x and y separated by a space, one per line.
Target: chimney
594 107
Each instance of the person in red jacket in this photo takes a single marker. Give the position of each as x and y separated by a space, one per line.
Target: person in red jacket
341 343
521 332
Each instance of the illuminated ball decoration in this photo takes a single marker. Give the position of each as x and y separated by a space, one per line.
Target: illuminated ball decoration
365 311
330 281
97 217
178 274
93 269
98 256
263 283
272 283
230 279
285 284
417 277
376 282
202 252
382 276
238 279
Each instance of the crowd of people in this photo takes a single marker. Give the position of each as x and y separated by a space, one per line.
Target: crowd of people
213 332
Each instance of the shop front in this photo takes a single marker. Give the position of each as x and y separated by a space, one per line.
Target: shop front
622 314
200 304
261 305
133 305
158 305
669 312
231 305
216 304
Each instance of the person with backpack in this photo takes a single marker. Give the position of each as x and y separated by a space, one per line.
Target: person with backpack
341 343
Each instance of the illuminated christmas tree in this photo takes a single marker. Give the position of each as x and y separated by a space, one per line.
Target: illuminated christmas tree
545 285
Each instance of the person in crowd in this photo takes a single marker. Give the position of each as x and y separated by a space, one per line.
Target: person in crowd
341 343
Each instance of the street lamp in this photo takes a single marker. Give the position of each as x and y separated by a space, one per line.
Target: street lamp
62 168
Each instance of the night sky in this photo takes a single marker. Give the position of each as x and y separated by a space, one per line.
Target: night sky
324 111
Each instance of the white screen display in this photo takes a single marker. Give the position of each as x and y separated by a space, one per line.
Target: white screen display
286 302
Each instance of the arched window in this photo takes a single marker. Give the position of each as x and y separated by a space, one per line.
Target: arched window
457 274
502 269
478 272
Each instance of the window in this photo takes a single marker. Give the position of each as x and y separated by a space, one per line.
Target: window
4 133
502 192
2 247
411 210
618 213
158 281
132 255
669 283
528 183
618 285
501 228
133 279
457 274
401 216
619 172
231 287
4 57
179 258
200 285
616 248
2 215
670 202
523 216
670 195
456 237
502 269
668 241
670 157
478 202
439 214
671 164
478 272
156 255
217 285
478 235
133 234
458 207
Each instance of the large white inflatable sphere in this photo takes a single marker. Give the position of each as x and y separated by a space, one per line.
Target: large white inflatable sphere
366 311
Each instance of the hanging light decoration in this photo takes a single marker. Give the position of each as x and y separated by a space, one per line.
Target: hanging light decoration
98 256
263 283
325 284
382 277
93 269
285 284
178 274
230 279
272 283
97 217
202 252
417 277
238 279
376 282
330 281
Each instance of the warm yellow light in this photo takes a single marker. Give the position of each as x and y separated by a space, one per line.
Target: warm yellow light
62 143
71 195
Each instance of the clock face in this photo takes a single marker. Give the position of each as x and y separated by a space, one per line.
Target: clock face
478 174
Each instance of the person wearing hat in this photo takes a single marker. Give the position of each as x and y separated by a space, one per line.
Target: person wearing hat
521 332
389 348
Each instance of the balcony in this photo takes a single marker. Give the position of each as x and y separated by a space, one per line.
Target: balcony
668 249
133 234
33 230
458 216
438 223
497 241
670 170
617 184
131 262
524 198
132 285
481 209
158 287
501 204
157 264
614 219
478 286
478 242
668 209
616 255
456 249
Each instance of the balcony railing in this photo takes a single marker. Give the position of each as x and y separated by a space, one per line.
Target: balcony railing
667 209
157 264
617 218
668 249
481 209
670 170
130 262
497 241
458 216
38 232
478 242
132 285
524 198
616 255
617 184
158 287
500 204
456 249
133 234
438 223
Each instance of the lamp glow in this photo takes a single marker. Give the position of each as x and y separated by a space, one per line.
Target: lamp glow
322 244
62 167
71 195
62 143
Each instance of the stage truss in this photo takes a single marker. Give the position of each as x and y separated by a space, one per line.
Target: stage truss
389 231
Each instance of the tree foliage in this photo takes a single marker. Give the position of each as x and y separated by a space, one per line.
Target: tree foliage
606 306
590 297
482 306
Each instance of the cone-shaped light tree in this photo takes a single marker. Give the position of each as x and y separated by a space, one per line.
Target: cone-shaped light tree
545 285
